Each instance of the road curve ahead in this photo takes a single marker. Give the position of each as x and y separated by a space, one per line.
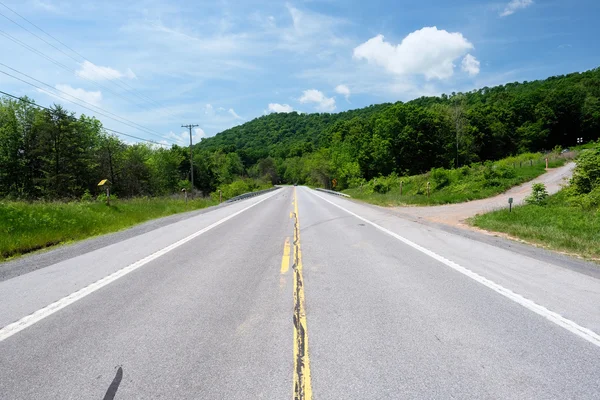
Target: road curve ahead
300 294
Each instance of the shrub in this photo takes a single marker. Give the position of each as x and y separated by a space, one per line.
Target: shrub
87 196
464 171
440 177
102 197
538 195
586 176
381 186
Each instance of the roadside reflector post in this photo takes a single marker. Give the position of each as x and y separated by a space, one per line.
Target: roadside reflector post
401 187
428 189
105 184
510 201
184 194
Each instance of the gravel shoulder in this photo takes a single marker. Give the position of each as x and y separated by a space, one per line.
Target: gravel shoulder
456 214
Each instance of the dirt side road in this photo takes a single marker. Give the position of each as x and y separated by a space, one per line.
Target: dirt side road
455 214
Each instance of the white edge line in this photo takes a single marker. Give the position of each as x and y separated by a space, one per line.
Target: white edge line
556 318
50 309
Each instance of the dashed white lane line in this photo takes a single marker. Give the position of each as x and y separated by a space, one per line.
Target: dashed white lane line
556 318
50 309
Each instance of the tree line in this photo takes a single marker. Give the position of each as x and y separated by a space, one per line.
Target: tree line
52 154
414 137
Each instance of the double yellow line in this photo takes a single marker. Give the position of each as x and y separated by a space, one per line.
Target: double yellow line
302 385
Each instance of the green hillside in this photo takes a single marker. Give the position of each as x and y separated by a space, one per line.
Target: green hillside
413 137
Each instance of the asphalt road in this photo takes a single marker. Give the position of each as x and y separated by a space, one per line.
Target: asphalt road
300 292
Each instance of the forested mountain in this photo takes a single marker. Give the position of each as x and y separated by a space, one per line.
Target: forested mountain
49 153
413 137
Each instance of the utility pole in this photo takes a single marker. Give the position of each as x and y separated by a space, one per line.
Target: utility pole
190 126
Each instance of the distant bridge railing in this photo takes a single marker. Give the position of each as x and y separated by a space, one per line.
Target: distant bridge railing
251 194
332 192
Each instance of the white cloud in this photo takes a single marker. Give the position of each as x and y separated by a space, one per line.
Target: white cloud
343 90
324 103
95 72
90 97
311 32
279 108
209 110
46 6
233 113
183 138
470 65
428 51
515 5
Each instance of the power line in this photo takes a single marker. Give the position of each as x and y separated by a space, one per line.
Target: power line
141 127
133 90
106 129
9 36
71 101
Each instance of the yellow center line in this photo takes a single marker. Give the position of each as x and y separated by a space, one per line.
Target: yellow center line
302 385
285 260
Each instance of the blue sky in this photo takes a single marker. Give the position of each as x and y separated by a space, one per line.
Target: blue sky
221 63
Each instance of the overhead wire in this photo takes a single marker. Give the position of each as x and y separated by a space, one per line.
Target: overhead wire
141 127
99 70
71 101
9 36
107 129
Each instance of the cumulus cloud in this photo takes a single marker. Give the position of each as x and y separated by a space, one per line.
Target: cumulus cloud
470 65
343 90
89 70
90 97
323 103
515 5
430 52
279 108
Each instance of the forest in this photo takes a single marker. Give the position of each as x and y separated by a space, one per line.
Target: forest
53 154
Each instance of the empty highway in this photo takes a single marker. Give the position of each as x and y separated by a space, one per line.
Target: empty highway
301 294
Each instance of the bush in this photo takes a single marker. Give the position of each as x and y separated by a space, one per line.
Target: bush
239 187
538 195
87 196
464 171
586 176
440 177
102 197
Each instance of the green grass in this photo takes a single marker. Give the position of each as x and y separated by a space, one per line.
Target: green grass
556 225
456 185
26 227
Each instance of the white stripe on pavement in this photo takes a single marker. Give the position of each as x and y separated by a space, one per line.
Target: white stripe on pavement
556 318
40 314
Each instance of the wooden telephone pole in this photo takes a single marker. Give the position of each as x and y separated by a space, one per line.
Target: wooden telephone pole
190 126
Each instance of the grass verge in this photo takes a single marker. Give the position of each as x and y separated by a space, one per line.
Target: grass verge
556 225
456 185
26 227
